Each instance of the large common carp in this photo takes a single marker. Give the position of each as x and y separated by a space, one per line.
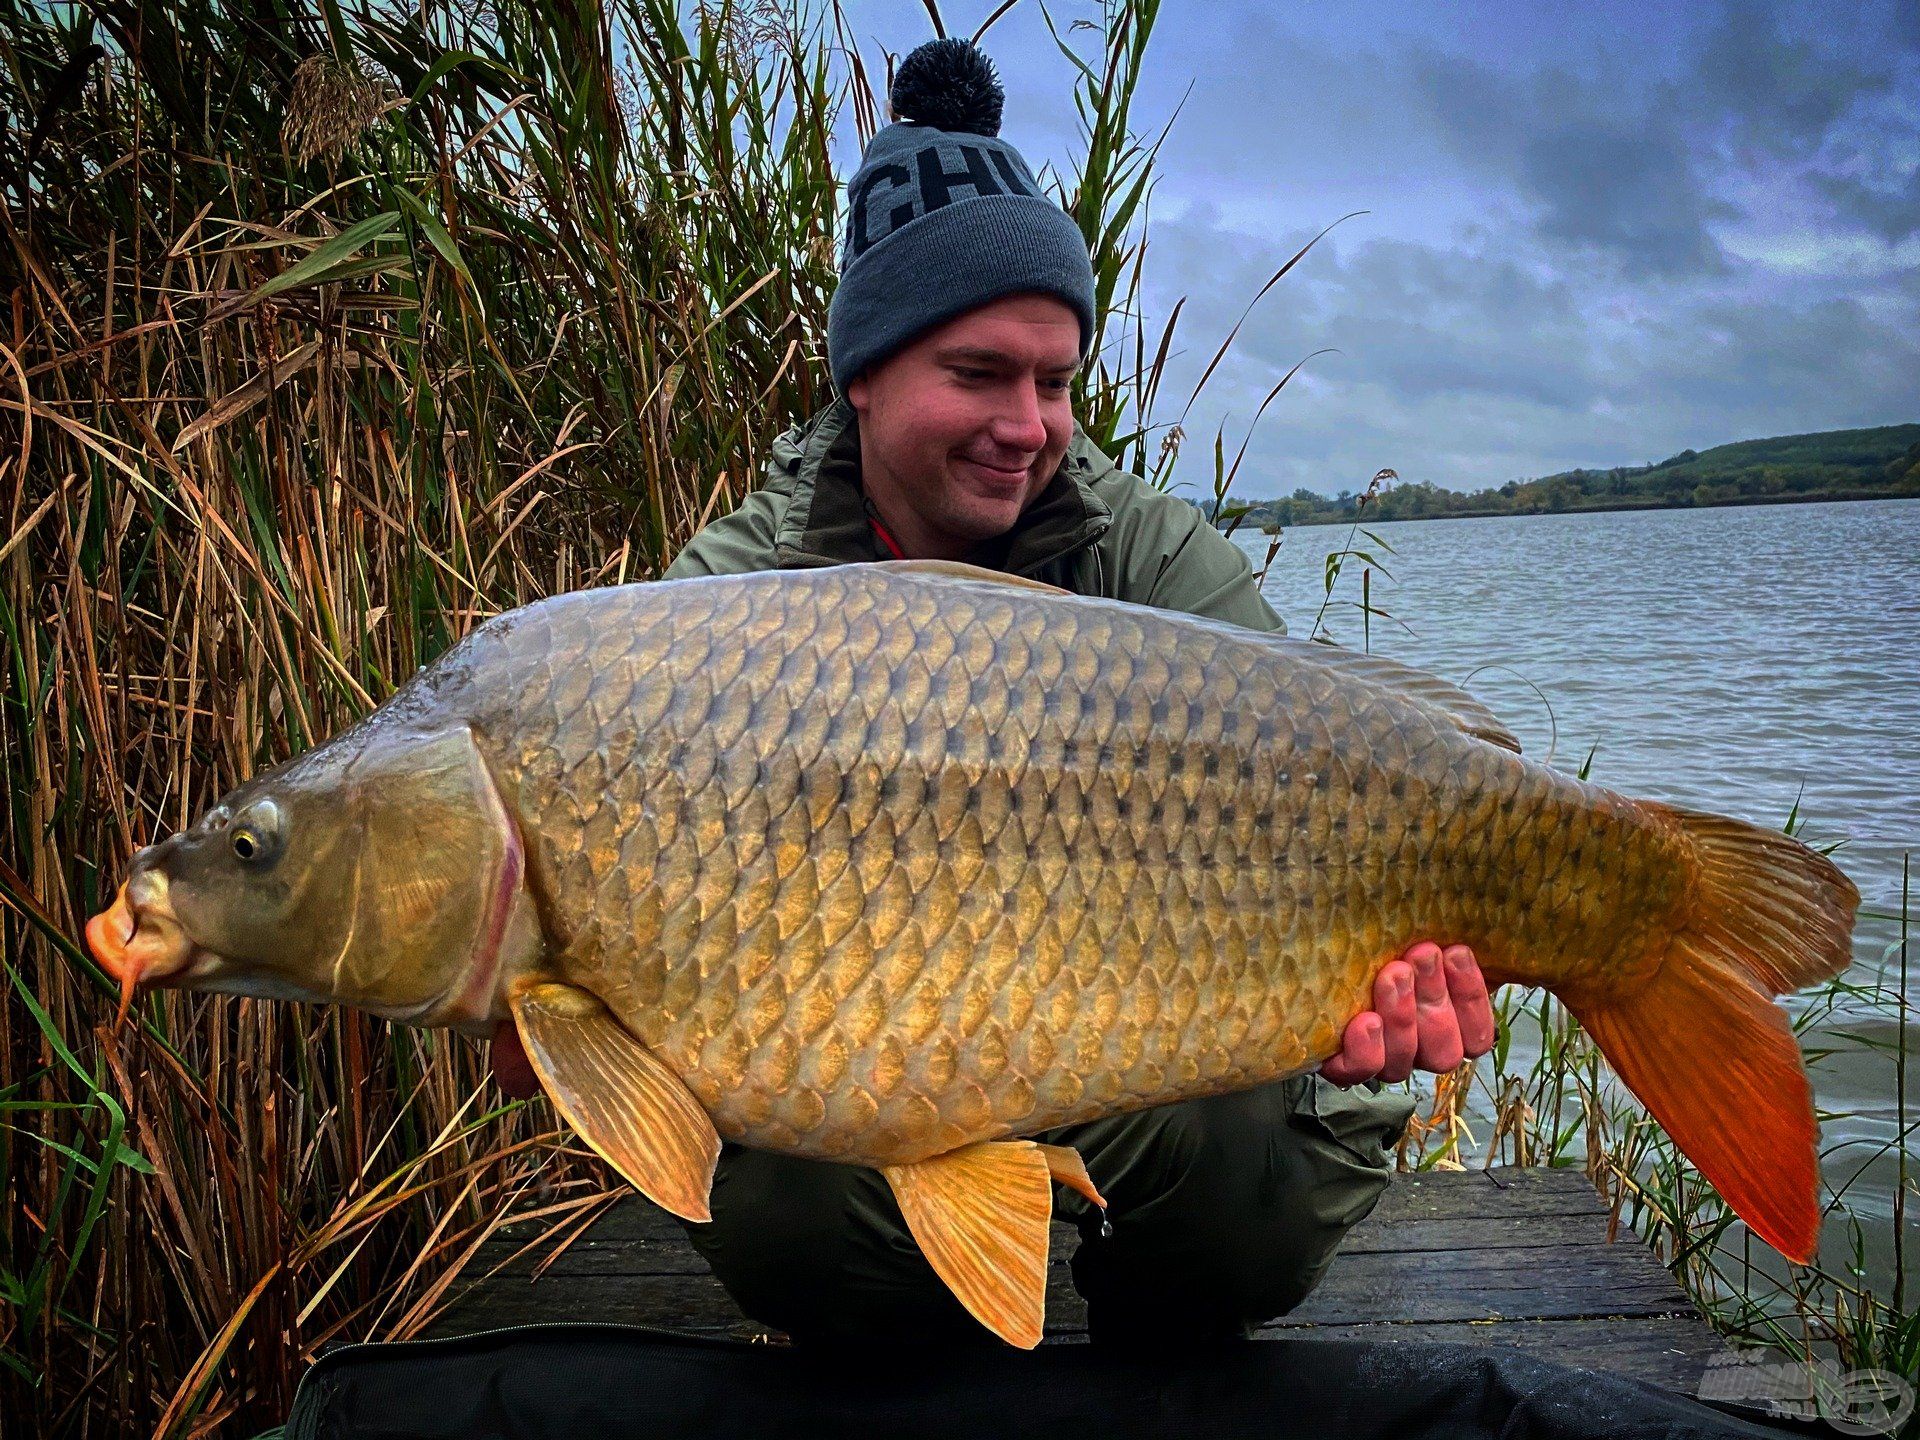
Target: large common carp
888 864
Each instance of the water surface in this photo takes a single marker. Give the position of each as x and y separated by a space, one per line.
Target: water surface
1742 660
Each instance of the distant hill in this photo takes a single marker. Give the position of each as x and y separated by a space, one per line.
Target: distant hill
1832 465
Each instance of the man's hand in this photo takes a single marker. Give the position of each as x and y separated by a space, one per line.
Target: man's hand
1430 1012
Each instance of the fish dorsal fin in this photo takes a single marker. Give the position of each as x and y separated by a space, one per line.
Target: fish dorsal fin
635 1112
1449 700
1455 704
956 570
980 1215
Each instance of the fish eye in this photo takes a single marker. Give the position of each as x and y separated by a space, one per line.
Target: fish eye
255 837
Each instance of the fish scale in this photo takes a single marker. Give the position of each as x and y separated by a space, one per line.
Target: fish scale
1177 837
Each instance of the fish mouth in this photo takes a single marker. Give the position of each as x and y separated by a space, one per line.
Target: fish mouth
139 940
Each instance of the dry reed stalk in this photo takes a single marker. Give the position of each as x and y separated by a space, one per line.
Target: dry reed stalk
274 434
258 471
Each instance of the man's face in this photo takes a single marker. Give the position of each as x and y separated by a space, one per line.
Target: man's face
962 428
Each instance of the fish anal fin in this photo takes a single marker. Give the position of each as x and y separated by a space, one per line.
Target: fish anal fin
980 1215
620 1098
1065 1165
958 570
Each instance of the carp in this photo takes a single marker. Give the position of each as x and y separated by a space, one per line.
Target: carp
894 864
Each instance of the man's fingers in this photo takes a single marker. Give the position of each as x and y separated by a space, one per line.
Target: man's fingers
1362 1051
1472 1006
1433 1011
1393 998
1440 1048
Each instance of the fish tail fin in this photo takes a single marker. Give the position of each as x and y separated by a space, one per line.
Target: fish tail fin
1703 1045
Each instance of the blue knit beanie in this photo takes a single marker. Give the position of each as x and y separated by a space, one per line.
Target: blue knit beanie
944 217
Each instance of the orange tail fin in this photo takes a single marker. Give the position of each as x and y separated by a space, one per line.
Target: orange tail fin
1703 1045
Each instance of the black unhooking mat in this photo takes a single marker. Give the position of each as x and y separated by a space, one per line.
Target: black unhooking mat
583 1382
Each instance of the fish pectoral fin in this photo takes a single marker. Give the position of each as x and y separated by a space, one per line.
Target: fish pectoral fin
959 570
980 1215
1065 1165
635 1112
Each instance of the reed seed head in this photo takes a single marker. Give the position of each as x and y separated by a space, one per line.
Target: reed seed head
330 106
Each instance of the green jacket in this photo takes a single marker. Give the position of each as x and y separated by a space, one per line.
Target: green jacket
1094 530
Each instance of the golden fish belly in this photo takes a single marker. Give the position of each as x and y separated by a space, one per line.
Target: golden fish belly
882 866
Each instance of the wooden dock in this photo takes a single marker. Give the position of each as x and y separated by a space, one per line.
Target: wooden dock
1510 1257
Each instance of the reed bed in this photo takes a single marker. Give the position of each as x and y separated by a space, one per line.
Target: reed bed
332 328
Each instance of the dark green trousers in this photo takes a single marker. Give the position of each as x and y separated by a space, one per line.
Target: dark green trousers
1224 1211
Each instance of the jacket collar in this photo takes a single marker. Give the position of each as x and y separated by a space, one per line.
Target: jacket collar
825 520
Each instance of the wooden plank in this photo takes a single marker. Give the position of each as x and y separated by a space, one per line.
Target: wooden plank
694 1303
1345 1299
1446 1195
1671 1351
1556 1241
650 1242
654 1255
594 1255
1477 1232
1520 1258
685 1300
698 1303
1442 1194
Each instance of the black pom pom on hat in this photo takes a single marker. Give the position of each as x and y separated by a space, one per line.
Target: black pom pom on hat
950 85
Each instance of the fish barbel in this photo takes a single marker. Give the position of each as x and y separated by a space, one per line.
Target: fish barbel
892 864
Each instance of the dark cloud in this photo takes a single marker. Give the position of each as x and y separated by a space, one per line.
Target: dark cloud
1831 359
1472 366
1429 322
1778 96
1813 122
1647 170
1631 193
1597 168
1889 208
1905 29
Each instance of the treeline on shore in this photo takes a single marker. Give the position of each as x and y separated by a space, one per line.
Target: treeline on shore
1869 464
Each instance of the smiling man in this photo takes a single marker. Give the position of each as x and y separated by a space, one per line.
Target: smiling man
963 313
962 430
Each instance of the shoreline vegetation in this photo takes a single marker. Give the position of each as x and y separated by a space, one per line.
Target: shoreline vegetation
332 332
1881 463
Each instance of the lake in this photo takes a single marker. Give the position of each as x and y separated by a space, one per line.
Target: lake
1741 660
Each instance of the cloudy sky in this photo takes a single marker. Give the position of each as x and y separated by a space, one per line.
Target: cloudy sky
1595 234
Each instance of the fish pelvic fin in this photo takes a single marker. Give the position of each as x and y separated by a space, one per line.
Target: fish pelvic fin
619 1097
980 1215
1703 1045
1065 1166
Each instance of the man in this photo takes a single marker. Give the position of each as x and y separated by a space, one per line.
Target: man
964 309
